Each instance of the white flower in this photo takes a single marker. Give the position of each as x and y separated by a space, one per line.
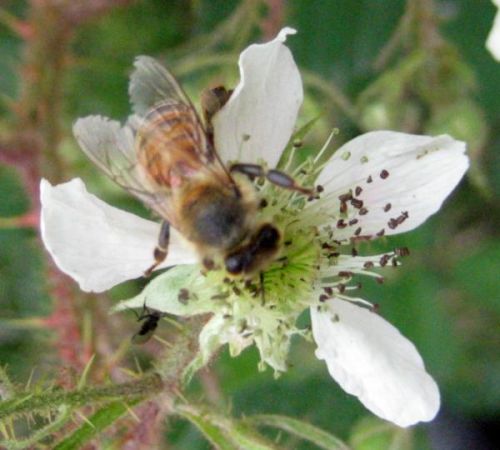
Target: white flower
493 41
380 183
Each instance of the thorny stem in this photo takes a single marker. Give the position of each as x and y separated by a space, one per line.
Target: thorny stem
54 399
166 378
418 26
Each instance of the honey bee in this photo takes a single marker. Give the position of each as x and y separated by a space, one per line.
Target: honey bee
167 159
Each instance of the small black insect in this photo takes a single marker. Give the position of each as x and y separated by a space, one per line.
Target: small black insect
149 318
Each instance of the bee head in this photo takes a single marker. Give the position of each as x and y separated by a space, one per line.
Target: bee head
248 257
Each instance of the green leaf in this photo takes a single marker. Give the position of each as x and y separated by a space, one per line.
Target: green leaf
374 434
301 429
94 426
210 431
164 293
225 432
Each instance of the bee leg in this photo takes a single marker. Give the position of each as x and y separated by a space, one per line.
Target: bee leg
161 249
285 181
252 171
274 176
145 313
212 101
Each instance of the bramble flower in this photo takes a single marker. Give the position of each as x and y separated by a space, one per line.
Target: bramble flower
380 183
493 41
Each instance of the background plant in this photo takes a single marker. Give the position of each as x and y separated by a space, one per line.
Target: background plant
69 375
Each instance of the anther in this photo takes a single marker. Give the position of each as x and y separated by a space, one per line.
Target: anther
341 224
402 251
368 265
345 197
353 222
236 291
183 296
387 207
363 211
369 179
357 232
384 260
345 274
357 203
358 190
384 174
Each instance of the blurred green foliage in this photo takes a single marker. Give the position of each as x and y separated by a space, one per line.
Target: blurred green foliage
445 298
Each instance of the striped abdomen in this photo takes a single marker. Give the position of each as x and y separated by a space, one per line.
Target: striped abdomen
171 143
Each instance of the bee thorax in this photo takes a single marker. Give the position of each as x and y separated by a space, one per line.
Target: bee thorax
217 219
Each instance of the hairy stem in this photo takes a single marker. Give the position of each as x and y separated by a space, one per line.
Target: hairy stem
165 378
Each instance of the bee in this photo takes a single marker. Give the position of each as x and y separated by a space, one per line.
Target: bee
167 159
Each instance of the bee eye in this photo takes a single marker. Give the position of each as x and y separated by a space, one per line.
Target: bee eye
268 236
235 263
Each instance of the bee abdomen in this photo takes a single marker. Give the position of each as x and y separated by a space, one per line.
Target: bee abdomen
170 137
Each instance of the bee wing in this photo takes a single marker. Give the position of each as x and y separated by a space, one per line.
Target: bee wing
151 83
112 148
154 92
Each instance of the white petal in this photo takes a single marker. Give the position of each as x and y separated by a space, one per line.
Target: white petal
493 41
258 120
96 244
422 171
370 359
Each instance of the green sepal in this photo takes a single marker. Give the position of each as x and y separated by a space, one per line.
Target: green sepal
181 291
